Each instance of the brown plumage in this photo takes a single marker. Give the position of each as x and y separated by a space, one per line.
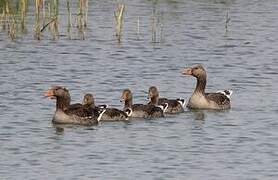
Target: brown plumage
202 100
111 114
67 113
174 105
141 110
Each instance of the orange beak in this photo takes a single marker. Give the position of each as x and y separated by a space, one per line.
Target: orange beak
49 93
187 71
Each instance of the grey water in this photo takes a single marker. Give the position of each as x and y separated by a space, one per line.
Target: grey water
240 143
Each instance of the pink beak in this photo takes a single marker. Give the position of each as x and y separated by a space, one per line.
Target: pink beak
187 71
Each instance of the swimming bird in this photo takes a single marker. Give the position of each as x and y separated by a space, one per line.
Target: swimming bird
202 100
111 114
142 110
67 113
174 105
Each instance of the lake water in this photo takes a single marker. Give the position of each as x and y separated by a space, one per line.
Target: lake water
240 143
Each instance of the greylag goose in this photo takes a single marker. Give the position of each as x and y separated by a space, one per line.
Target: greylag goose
174 105
111 114
67 113
202 100
142 110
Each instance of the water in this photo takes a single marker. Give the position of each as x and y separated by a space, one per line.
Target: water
237 144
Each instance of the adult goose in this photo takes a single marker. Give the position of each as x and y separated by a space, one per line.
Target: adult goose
67 113
174 105
142 110
202 100
111 114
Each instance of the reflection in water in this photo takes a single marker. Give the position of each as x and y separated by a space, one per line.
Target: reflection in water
199 119
199 115
59 130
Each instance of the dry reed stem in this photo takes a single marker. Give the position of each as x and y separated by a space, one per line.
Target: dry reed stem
153 29
39 6
119 14
227 20
23 8
86 13
81 18
69 18
54 25
11 22
83 13
138 26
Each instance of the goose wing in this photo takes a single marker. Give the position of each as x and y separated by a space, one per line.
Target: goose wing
218 98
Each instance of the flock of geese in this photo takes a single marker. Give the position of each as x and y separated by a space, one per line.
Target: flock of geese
88 113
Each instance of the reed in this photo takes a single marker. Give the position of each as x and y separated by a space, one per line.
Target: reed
55 23
49 19
138 27
153 29
227 20
82 18
119 16
86 4
161 26
23 14
13 17
157 25
82 14
10 21
69 18
3 17
37 29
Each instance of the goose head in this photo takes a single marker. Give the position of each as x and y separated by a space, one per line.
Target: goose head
197 71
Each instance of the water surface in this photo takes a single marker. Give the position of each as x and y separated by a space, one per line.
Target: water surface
240 143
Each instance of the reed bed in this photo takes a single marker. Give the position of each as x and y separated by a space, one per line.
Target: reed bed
8 20
44 19
13 19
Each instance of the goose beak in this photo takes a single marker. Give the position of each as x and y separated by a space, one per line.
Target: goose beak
187 71
49 94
